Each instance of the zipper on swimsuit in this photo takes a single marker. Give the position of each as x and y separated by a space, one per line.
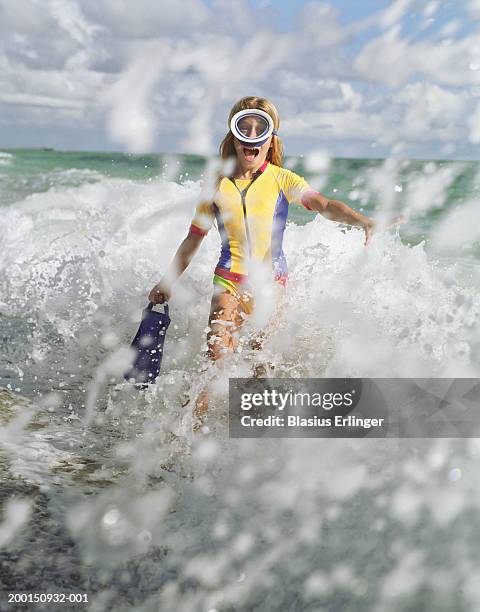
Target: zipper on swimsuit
243 195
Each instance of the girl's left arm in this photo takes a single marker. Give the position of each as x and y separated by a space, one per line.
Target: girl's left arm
337 211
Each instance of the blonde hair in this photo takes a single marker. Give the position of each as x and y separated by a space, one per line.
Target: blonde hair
275 153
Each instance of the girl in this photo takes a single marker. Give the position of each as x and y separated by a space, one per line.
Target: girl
250 208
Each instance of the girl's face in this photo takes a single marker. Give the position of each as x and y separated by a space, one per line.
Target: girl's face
251 157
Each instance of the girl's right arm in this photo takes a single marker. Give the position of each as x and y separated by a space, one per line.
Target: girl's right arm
185 252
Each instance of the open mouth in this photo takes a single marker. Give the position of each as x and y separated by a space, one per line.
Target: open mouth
250 154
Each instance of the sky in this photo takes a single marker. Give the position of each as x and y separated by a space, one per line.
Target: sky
376 78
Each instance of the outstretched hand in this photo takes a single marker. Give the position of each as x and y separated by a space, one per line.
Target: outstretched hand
370 227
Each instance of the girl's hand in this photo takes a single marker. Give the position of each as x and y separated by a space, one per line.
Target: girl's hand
369 227
160 293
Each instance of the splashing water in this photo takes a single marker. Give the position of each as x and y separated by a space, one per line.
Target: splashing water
132 508
162 517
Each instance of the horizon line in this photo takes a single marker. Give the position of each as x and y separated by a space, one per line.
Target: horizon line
301 156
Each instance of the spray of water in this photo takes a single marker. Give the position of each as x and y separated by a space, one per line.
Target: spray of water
173 520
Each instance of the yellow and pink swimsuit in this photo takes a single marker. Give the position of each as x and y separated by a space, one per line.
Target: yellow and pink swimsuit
251 216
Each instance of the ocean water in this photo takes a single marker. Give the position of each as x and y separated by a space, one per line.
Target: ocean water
138 521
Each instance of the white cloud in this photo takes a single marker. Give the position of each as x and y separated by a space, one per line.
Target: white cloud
319 22
429 107
394 13
473 6
431 8
392 60
69 17
167 72
474 124
147 18
32 100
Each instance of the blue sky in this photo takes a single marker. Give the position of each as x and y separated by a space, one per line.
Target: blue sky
350 78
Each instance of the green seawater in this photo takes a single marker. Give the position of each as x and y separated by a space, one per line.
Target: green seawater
117 509
365 184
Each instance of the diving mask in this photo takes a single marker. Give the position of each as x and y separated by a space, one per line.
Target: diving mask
252 127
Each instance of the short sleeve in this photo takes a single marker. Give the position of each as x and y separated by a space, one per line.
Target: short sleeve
294 187
203 218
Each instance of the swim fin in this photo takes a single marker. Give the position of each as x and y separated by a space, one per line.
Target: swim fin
148 345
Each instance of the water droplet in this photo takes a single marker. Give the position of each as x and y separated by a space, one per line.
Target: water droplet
111 517
455 474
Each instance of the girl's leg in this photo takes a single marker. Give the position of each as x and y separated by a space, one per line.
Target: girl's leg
227 314
257 340
226 318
